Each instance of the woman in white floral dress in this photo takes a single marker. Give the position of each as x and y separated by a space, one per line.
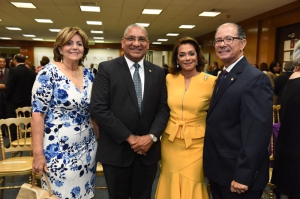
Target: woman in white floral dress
63 137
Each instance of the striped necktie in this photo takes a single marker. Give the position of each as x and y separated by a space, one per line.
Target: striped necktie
138 85
222 77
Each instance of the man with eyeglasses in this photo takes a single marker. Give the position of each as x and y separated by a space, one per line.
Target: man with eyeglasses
239 122
129 103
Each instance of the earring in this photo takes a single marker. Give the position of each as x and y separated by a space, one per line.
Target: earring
177 65
61 59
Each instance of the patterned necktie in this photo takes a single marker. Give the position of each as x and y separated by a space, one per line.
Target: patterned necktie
223 76
138 85
1 75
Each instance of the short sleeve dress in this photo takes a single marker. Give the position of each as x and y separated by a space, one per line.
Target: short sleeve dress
69 142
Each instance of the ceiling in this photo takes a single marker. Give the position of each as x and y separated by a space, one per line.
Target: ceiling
116 15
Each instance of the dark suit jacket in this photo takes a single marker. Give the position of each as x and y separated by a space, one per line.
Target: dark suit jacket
215 71
4 81
115 108
19 85
279 84
2 94
239 127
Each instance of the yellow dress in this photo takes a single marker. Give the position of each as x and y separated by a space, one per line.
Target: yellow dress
182 174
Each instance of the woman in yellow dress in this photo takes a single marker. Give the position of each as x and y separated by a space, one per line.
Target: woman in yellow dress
189 95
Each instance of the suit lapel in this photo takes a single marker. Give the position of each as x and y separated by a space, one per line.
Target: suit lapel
230 78
148 82
125 74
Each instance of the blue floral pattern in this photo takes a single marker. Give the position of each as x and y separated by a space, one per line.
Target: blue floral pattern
69 142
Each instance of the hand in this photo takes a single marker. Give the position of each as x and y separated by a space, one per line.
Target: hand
143 145
39 164
238 188
2 86
132 139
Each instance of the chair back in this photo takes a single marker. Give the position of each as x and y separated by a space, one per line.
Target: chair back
23 143
23 111
276 125
276 110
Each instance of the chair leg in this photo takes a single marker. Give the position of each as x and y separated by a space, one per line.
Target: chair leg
271 196
2 181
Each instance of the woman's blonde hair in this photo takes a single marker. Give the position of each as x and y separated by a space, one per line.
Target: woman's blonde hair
64 36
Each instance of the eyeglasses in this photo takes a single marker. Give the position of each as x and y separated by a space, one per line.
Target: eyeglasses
226 40
133 39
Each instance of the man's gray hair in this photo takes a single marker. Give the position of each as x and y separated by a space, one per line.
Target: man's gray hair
135 25
289 66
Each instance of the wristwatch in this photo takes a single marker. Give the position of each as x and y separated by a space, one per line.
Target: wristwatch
153 137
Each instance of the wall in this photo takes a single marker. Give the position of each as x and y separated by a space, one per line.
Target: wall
94 56
284 34
27 48
157 57
261 34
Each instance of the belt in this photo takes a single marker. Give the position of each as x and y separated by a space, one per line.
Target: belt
186 134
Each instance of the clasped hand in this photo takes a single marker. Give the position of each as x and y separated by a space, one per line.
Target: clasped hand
140 144
238 187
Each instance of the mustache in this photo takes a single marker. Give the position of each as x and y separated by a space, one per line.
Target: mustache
224 49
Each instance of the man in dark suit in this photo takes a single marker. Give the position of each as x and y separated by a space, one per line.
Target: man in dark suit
239 122
215 68
129 103
92 69
3 80
18 88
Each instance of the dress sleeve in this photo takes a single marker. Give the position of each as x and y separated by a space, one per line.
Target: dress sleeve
42 91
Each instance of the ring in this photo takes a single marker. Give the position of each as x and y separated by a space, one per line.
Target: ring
140 153
235 190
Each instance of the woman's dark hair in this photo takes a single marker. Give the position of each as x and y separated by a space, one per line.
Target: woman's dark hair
273 65
45 60
263 66
64 36
186 40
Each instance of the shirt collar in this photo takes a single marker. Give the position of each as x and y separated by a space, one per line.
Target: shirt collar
230 67
130 63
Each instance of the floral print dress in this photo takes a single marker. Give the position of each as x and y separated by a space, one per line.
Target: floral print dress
69 142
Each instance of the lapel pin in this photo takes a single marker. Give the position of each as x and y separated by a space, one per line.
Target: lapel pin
150 71
231 79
